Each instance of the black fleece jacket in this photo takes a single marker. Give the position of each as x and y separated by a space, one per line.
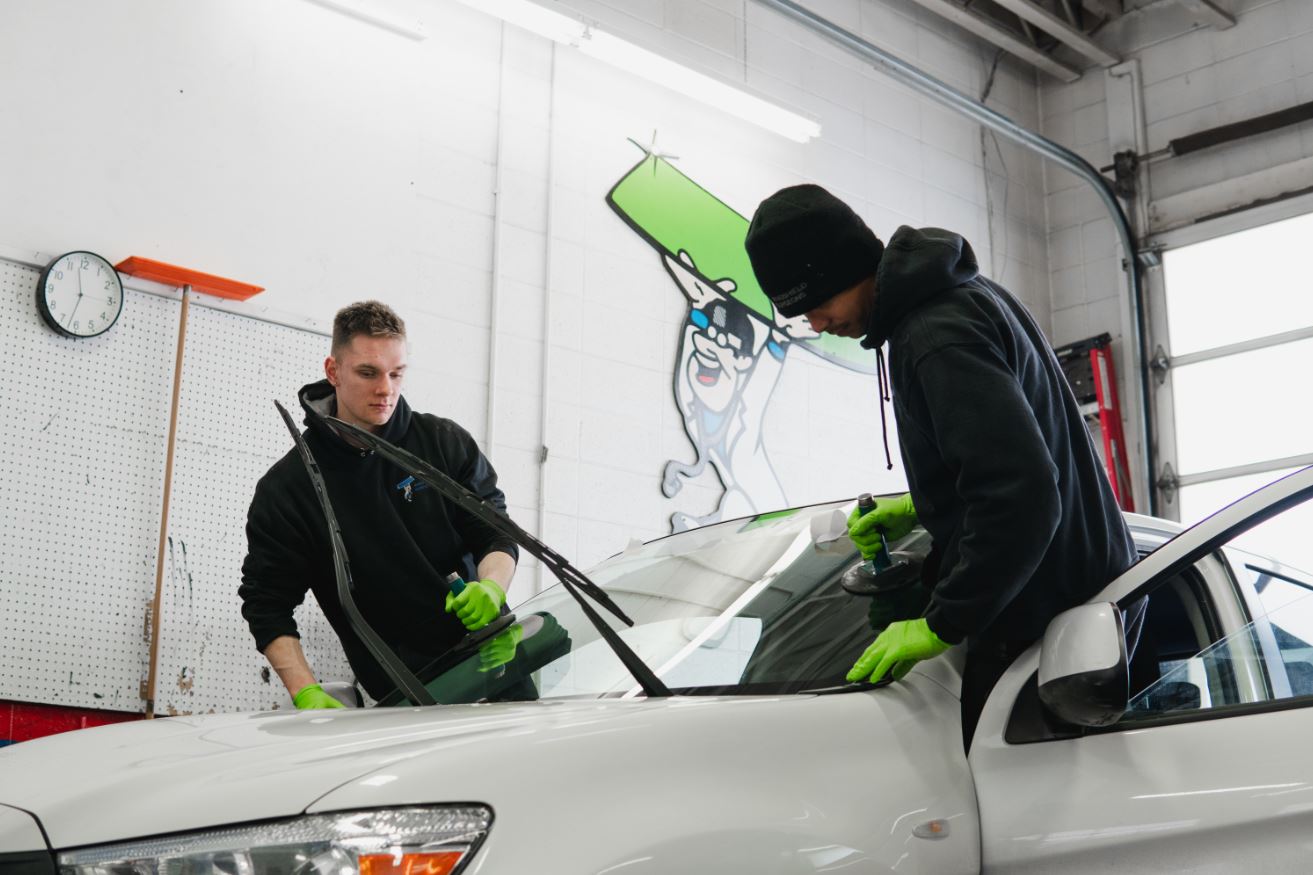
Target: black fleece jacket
401 542
999 463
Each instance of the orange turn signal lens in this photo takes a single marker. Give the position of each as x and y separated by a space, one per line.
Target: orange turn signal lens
437 863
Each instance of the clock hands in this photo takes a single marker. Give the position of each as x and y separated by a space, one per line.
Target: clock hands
78 302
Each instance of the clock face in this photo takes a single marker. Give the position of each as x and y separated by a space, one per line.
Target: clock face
80 294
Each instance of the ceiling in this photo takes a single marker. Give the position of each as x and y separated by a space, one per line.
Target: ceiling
1058 37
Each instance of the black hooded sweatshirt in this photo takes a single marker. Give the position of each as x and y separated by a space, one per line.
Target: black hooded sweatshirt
402 539
999 463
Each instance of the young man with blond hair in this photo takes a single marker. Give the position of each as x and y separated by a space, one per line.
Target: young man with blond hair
401 538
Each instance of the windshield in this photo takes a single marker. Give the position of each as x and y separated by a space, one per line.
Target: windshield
750 606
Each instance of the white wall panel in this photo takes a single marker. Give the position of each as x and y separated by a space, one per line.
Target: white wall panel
330 161
1193 77
82 449
229 433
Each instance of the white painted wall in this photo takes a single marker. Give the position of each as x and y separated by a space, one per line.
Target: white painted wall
1192 76
895 157
284 144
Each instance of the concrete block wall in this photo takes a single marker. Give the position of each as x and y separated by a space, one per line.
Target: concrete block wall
1193 77
1197 77
462 179
895 157
1087 293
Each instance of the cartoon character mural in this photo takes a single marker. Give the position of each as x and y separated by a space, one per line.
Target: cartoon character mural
733 344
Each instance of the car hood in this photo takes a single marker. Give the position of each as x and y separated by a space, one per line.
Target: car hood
183 773
176 774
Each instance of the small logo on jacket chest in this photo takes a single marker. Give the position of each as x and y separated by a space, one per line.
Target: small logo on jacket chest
409 487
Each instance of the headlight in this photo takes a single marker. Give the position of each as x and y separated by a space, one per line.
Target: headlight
397 841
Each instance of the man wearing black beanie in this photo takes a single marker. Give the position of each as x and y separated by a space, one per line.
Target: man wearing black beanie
1000 466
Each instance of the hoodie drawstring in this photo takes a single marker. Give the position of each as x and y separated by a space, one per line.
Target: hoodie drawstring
883 373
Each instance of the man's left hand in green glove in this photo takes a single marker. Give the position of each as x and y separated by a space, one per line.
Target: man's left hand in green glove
478 604
501 649
898 647
313 697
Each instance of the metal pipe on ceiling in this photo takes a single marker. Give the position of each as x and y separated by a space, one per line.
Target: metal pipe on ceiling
955 100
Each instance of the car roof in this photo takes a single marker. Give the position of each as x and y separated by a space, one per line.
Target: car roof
1151 532
1153 526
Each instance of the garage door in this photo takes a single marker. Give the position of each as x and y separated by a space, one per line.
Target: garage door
1239 339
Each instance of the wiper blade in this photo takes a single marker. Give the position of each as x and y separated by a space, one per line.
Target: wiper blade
401 676
576 583
848 687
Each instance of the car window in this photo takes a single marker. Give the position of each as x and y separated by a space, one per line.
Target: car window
752 606
1186 658
1285 627
1260 653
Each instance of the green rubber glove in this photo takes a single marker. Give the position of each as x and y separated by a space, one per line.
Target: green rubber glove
478 604
892 517
501 649
312 696
898 647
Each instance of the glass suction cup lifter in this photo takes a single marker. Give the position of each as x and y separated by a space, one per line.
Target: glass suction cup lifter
883 572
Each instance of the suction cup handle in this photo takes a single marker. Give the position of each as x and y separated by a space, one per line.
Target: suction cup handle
882 560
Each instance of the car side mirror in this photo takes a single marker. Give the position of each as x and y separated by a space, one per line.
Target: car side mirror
1083 674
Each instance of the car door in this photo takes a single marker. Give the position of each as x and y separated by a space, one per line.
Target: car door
1208 770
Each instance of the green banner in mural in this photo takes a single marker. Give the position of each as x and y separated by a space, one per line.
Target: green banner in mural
733 346
675 214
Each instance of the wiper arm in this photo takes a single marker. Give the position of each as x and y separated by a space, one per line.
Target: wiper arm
401 676
576 583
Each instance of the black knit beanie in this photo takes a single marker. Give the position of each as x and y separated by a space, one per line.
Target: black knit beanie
806 246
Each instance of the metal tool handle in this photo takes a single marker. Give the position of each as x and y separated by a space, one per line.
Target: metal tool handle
881 560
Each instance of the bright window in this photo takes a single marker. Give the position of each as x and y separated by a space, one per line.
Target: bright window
1236 412
1244 408
1239 287
1202 499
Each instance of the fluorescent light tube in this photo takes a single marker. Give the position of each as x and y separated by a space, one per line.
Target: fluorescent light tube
649 65
534 18
363 11
699 86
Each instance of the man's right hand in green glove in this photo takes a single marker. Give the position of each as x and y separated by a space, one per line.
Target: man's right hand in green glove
892 517
898 647
312 696
478 604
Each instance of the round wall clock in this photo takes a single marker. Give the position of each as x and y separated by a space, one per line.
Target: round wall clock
79 294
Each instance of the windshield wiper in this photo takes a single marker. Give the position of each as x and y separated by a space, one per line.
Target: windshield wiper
401 676
576 583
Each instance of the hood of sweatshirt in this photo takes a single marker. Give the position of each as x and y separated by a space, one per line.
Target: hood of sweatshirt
918 264
319 399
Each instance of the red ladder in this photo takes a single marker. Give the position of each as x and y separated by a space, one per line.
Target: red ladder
1089 369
